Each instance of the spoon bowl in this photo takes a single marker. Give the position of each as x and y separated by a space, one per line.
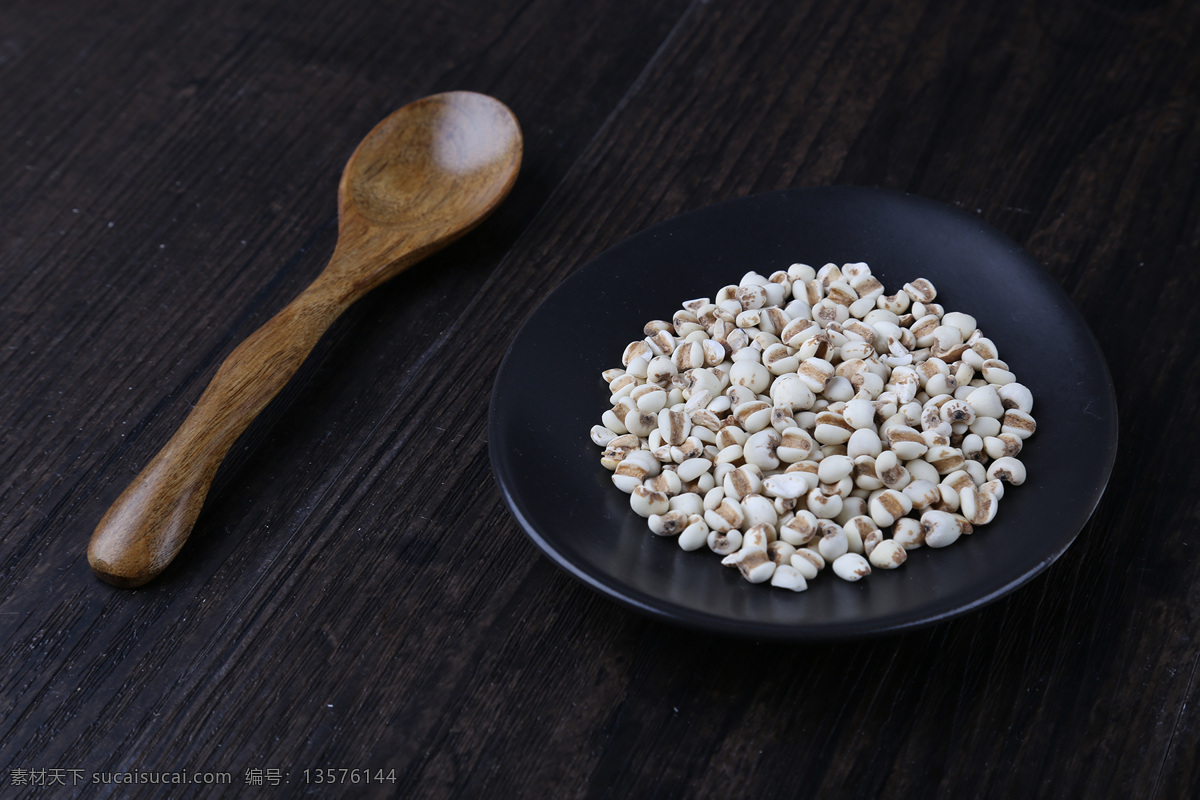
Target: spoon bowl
423 177
463 142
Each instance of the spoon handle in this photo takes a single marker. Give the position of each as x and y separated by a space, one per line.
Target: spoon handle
148 524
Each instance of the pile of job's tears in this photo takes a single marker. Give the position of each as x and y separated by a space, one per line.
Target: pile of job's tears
809 419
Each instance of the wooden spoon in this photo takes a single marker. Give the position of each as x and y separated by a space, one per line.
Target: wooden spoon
422 178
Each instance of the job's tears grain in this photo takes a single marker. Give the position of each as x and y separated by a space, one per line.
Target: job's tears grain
808 419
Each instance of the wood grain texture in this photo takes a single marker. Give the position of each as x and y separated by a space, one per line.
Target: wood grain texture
358 595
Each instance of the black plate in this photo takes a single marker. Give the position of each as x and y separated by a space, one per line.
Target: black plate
549 393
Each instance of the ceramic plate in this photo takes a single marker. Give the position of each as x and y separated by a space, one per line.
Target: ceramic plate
548 394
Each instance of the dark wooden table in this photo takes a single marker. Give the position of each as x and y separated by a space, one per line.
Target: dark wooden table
356 595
